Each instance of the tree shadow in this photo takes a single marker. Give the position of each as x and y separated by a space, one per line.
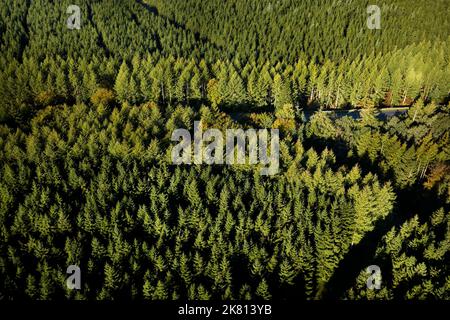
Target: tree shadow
410 202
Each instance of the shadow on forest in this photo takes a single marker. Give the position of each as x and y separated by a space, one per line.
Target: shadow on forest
409 202
153 10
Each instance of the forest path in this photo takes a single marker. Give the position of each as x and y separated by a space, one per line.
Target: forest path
384 114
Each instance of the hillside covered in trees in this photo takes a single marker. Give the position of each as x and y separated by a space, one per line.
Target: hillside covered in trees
87 179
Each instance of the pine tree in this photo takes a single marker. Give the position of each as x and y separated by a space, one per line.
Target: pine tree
286 273
147 290
281 92
196 86
235 89
255 92
160 292
263 290
121 85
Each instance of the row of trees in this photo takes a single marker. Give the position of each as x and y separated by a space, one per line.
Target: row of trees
362 83
131 49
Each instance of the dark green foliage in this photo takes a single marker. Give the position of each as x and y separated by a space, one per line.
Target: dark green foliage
86 179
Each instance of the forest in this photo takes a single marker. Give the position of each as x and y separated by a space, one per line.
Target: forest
86 118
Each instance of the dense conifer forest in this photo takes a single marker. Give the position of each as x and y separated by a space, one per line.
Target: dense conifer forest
87 179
